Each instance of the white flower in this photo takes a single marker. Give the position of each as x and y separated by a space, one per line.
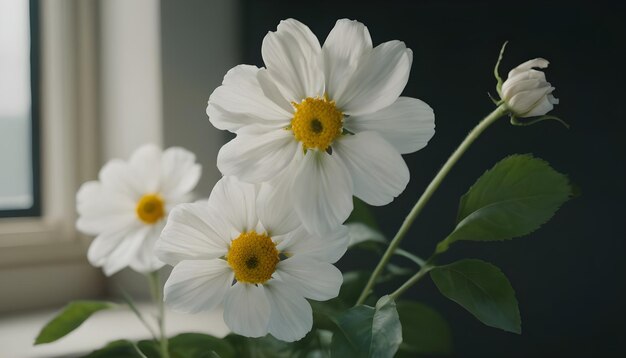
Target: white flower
254 259
526 91
127 207
322 123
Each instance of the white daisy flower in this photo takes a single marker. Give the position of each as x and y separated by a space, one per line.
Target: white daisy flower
328 117
126 208
255 260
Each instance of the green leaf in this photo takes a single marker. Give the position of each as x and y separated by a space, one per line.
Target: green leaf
353 283
482 289
359 233
70 318
424 331
115 349
192 345
367 331
264 347
514 198
362 213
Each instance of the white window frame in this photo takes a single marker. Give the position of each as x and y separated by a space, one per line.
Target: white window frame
100 99
67 151
48 248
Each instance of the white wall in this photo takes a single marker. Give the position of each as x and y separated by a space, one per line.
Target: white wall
200 43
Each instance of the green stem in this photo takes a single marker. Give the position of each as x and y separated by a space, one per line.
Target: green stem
133 307
410 282
430 190
157 296
418 260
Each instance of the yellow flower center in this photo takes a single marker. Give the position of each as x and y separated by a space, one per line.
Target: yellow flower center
150 208
253 257
317 122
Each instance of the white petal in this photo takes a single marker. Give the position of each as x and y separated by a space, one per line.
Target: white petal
145 165
193 231
379 80
328 248
198 285
552 99
104 244
293 59
241 101
247 310
117 176
544 106
218 116
314 279
126 251
322 192
236 202
179 172
101 209
257 158
534 63
378 171
275 203
523 81
271 91
343 51
525 101
291 315
146 260
408 124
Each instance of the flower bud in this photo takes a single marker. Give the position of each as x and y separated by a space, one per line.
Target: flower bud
526 91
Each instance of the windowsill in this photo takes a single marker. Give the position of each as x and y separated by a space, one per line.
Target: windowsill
18 332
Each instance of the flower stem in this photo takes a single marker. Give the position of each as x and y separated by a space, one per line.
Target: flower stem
157 297
430 190
410 282
133 307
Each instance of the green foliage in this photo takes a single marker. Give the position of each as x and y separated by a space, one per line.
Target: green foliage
514 198
270 347
482 289
116 349
424 331
70 318
199 345
184 345
362 213
365 331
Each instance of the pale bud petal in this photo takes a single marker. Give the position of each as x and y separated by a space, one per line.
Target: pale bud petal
526 91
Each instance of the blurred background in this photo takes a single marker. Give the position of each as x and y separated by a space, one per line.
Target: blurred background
82 82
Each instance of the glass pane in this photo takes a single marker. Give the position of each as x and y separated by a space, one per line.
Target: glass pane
16 165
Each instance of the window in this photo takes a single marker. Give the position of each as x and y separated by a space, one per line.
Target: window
19 99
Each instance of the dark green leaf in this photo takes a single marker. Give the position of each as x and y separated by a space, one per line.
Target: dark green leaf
353 283
150 348
514 198
264 347
192 345
367 331
362 213
115 349
70 318
482 289
424 331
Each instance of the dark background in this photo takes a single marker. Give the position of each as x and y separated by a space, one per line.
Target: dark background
569 275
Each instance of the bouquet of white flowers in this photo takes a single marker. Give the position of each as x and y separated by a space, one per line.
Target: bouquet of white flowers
319 125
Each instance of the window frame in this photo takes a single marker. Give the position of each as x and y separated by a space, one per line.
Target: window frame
67 153
35 115
86 55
